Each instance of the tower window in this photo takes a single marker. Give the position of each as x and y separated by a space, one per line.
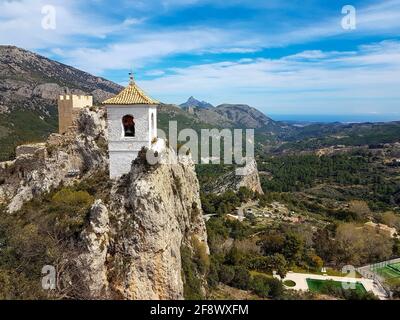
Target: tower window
153 125
129 126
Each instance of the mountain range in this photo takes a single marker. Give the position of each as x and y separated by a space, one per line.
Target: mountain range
30 85
194 103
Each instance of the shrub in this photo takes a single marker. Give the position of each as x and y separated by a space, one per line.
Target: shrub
276 288
242 278
234 257
201 257
259 286
226 274
315 261
69 209
191 280
212 276
270 263
267 287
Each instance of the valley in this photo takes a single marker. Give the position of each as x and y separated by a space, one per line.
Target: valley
319 196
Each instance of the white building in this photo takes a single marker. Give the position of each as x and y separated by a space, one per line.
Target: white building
132 124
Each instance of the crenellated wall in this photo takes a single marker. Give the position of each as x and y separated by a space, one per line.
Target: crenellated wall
68 109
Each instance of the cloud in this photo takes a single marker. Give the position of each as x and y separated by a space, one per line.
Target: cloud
146 47
21 24
346 81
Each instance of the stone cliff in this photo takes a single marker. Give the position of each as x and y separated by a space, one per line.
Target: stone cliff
130 245
133 244
38 168
246 176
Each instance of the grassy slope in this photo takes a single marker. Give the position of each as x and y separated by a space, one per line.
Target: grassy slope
22 126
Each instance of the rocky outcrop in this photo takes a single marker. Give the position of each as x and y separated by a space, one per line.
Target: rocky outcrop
38 168
95 241
154 211
29 87
26 75
130 245
247 176
193 102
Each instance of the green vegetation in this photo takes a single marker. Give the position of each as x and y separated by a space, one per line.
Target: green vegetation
226 202
289 283
23 126
340 289
191 280
322 135
296 173
358 175
390 271
40 234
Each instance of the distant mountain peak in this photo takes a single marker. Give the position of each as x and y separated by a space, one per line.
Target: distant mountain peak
193 102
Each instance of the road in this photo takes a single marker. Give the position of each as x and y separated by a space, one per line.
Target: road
243 207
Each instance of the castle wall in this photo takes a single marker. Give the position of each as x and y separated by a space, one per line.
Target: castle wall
68 108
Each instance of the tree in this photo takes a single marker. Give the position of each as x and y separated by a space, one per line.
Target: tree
272 243
242 278
226 274
260 287
291 247
359 244
315 261
360 209
276 288
234 256
391 219
324 245
275 262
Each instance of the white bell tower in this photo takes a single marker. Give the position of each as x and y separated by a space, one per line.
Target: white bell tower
132 124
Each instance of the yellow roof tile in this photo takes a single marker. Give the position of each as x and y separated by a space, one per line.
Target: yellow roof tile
132 94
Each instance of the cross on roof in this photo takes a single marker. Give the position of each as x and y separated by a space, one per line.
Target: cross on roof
131 77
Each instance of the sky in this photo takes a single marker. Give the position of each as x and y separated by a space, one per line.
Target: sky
282 57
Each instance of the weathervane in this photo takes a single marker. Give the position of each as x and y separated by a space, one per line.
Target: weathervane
131 78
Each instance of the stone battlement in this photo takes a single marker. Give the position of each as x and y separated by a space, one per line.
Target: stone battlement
77 100
67 109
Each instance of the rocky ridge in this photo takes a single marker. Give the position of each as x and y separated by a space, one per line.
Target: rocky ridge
130 247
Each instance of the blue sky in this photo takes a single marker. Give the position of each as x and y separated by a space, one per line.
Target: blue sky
283 57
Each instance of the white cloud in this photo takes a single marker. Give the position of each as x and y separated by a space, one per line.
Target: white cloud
147 47
341 82
21 24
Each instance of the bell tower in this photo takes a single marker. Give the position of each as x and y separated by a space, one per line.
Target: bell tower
132 124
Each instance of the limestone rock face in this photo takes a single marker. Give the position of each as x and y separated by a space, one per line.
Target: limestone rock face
130 246
65 159
247 176
154 211
95 239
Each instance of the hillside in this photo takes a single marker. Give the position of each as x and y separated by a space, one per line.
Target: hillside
29 87
194 103
108 239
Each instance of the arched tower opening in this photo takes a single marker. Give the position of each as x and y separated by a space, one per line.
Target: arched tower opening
153 126
128 122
